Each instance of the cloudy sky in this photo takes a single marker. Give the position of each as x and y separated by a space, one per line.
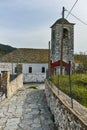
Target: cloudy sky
26 23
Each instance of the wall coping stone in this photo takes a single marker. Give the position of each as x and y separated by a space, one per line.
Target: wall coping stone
78 110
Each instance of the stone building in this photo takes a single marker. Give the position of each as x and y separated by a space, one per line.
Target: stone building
33 63
68 45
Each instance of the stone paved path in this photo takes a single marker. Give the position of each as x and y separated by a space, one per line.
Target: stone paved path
27 110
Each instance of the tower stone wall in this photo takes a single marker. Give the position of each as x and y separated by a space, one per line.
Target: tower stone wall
68 41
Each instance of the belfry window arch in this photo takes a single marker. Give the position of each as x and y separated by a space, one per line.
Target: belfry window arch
65 33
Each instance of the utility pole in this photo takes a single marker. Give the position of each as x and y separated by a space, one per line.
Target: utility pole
49 61
61 56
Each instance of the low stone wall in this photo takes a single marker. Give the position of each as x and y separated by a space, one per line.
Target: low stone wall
14 85
8 88
65 117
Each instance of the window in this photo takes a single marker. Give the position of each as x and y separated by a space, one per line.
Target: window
53 34
43 69
15 69
18 68
30 69
65 33
53 48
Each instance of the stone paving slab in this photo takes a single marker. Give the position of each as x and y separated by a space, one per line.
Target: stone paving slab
27 110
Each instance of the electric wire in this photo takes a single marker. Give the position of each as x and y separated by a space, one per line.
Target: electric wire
76 17
72 8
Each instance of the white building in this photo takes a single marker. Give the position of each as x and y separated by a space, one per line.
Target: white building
33 63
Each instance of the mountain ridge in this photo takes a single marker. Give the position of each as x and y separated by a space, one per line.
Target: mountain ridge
4 49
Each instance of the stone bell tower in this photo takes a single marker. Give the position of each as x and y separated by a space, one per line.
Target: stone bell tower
67 33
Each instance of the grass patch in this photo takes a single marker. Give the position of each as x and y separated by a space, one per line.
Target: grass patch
79 86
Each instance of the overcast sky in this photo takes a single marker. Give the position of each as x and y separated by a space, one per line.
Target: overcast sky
26 23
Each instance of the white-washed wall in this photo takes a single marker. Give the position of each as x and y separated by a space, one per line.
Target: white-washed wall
8 67
5 67
36 68
35 76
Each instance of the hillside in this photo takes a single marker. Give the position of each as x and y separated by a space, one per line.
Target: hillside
4 49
